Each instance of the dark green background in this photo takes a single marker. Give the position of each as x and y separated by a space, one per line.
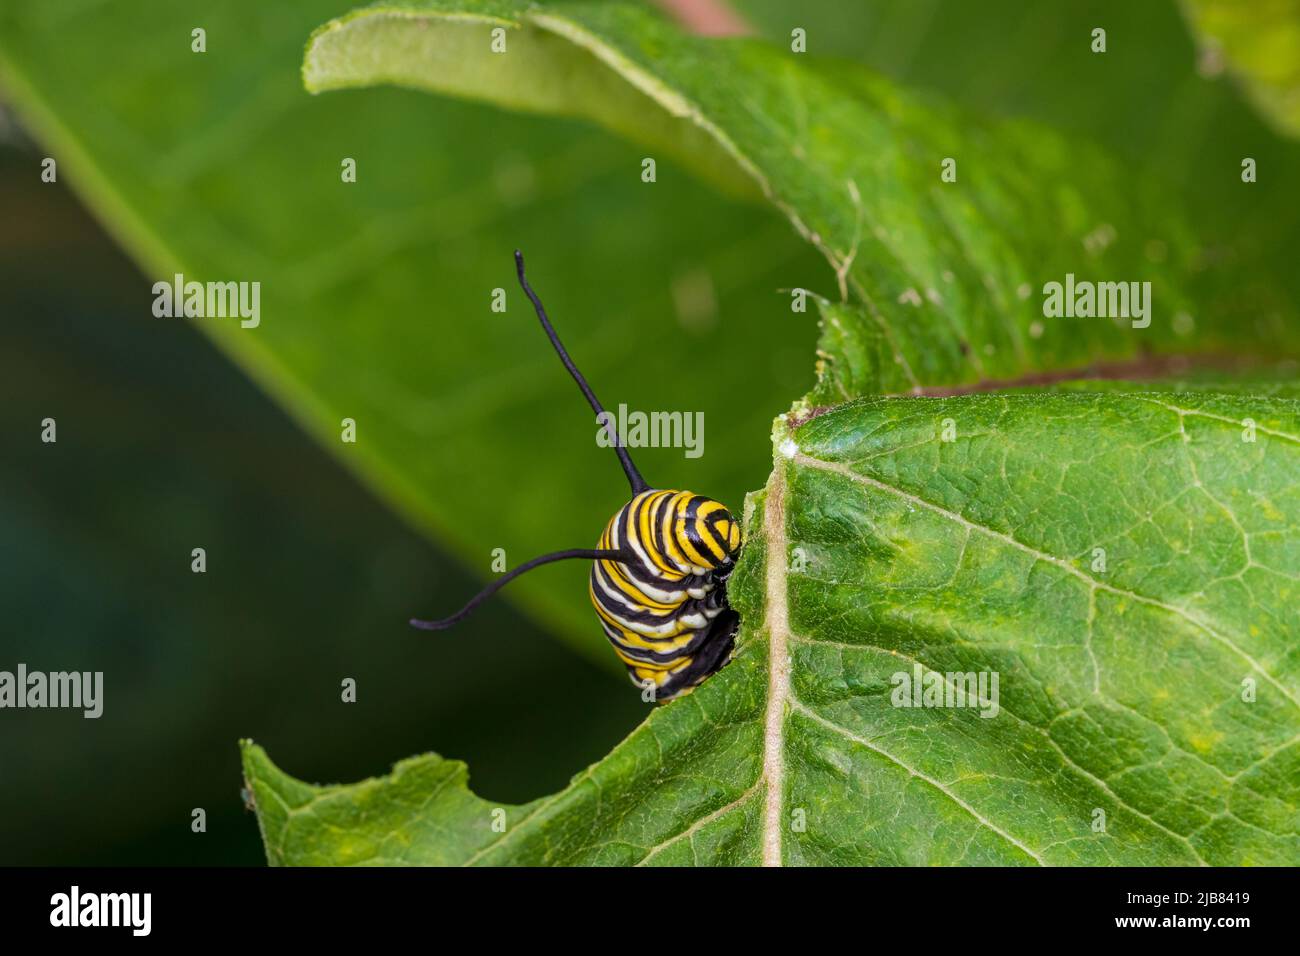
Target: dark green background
163 446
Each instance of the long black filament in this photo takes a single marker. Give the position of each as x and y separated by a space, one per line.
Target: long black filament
633 476
591 554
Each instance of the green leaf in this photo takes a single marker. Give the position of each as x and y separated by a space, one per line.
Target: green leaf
1261 44
1156 103
949 274
1153 686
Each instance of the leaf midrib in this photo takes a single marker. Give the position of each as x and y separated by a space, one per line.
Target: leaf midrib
776 616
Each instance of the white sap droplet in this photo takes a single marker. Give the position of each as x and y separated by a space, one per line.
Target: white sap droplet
1210 60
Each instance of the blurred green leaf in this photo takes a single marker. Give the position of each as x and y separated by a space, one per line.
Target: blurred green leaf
376 295
1152 100
1260 43
949 273
1126 564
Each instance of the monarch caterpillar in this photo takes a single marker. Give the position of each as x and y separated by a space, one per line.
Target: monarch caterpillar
659 575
